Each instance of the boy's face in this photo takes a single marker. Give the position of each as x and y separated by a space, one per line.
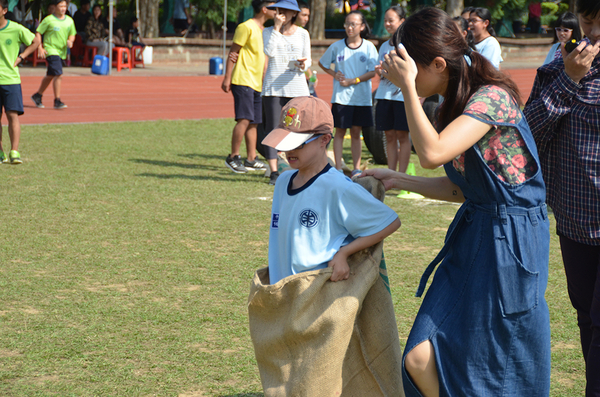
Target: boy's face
268 12
590 26
2 12
61 8
303 17
312 151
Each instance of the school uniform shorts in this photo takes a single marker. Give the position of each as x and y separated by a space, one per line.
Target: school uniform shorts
390 115
346 116
247 103
11 98
54 67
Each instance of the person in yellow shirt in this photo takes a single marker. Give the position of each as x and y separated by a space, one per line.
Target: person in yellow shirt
244 79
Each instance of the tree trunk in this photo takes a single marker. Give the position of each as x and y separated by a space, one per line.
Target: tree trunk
149 18
317 19
454 7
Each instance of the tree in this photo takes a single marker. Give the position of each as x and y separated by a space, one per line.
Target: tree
149 18
316 24
454 7
210 13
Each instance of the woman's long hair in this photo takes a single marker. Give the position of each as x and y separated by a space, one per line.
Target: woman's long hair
485 15
570 21
431 33
366 32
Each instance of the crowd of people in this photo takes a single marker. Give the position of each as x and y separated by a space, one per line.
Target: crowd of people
483 327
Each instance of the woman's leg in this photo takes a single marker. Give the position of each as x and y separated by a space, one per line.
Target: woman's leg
391 149
272 111
356 145
420 365
404 151
338 146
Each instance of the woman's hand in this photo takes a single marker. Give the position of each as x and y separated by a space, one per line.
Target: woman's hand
579 61
389 178
400 70
301 63
278 21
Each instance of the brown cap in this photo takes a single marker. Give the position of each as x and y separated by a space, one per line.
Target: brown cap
300 119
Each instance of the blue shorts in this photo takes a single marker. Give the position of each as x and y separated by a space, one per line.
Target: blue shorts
11 98
54 65
247 104
346 116
390 115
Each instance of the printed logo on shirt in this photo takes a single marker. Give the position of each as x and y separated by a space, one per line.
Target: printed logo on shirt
56 29
275 221
340 58
309 218
363 58
8 41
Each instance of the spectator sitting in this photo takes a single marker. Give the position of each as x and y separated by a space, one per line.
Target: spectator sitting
118 35
133 37
81 18
95 32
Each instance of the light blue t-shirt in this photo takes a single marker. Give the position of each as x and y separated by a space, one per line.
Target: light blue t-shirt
490 49
309 225
353 63
386 89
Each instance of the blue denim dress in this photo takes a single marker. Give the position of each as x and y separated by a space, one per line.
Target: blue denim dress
485 311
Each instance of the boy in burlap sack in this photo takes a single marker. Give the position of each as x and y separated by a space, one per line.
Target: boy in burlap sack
313 337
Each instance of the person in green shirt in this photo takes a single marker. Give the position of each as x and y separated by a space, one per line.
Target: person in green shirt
59 33
12 35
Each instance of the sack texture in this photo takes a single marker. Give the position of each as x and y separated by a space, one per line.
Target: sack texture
314 337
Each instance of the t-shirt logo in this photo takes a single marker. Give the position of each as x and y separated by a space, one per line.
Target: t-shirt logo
340 58
8 41
275 221
57 29
309 218
363 58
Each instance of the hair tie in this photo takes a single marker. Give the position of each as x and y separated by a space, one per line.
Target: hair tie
467 55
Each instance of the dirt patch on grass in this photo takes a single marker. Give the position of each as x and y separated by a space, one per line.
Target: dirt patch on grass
9 353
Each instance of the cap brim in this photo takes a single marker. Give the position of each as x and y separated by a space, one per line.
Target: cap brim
284 6
284 140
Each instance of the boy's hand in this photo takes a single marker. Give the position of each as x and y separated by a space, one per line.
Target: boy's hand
339 263
339 76
17 61
69 44
226 85
42 52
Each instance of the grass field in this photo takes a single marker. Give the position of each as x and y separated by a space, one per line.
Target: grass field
127 253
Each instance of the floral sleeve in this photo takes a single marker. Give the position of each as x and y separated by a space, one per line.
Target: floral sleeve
502 148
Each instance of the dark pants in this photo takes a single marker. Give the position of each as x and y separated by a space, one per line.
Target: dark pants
582 266
272 106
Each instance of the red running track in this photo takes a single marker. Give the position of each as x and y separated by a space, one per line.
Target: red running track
135 98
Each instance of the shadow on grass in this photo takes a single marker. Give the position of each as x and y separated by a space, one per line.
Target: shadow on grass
167 164
244 395
253 178
203 156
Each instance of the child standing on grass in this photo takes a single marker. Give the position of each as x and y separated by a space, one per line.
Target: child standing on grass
319 216
59 33
243 77
390 116
354 60
12 35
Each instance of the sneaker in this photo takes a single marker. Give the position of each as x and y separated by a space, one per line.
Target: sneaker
273 178
235 164
255 165
37 99
15 157
356 172
58 104
3 158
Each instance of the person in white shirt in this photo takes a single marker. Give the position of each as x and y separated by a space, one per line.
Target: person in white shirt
480 21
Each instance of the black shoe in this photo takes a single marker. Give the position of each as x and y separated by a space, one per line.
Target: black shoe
37 99
58 104
255 165
235 164
273 178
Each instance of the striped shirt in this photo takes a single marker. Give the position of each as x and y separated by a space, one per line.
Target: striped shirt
565 120
283 78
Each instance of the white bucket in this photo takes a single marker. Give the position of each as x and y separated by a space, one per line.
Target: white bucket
147 55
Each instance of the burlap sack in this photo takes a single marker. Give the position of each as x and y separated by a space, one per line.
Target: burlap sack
314 337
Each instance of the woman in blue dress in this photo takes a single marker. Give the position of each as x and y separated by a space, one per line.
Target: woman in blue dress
483 328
